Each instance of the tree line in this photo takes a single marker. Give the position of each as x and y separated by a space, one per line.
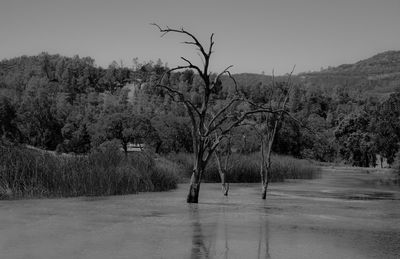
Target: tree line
72 105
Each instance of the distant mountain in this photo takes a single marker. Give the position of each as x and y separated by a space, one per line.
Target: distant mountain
381 64
376 76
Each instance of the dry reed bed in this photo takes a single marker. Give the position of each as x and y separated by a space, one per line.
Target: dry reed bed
246 168
105 171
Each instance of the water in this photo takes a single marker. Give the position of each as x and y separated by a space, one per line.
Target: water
345 214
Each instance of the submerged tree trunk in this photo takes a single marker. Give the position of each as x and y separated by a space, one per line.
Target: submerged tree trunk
194 189
222 174
225 185
262 172
264 183
195 180
265 167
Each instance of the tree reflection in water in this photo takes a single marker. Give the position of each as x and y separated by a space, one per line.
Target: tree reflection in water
263 238
215 237
199 249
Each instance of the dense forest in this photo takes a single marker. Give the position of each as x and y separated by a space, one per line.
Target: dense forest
70 105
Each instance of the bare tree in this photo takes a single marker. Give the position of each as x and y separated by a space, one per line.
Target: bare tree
266 125
223 168
209 127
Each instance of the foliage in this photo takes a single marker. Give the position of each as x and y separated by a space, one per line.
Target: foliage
386 125
174 134
8 124
125 127
356 140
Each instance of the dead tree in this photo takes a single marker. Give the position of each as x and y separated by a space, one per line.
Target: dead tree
223 169
266 126
208 127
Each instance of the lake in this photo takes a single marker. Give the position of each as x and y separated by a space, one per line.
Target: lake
344 214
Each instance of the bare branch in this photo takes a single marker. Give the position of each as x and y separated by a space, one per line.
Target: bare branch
211 44
290 75
288 91
193 66
176 92
158 26
226 71
201 58
300 123
182 31
181 96
239 120
272 87
234 81
285 97
211 126
214 146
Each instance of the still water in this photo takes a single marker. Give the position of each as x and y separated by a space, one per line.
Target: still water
344 214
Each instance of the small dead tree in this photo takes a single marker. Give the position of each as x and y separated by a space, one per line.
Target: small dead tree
223 168
209 126
266 126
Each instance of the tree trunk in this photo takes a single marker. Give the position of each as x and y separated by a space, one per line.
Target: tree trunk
225 185
265 184
222 174
125 148
265 167
194 189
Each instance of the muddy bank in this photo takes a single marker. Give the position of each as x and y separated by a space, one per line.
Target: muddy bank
341 215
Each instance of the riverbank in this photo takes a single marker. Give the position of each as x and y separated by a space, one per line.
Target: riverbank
340 215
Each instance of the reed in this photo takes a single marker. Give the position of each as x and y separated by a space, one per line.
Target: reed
105 171
246 168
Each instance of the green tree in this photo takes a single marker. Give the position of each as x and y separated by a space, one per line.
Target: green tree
37 116
386 126
127 128
8 125
356 140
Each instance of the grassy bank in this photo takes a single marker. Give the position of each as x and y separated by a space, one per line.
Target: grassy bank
246 168
105 171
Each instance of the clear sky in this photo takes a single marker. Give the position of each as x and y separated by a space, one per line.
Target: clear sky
252 35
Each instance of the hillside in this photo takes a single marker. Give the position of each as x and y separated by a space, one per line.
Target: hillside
378 75
383 63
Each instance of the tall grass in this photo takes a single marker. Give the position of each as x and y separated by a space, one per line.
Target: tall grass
246 168
105 171
184 161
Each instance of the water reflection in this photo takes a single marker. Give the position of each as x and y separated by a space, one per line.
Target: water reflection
199 249
219 236
263 240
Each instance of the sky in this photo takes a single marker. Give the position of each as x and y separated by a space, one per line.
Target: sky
254 36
